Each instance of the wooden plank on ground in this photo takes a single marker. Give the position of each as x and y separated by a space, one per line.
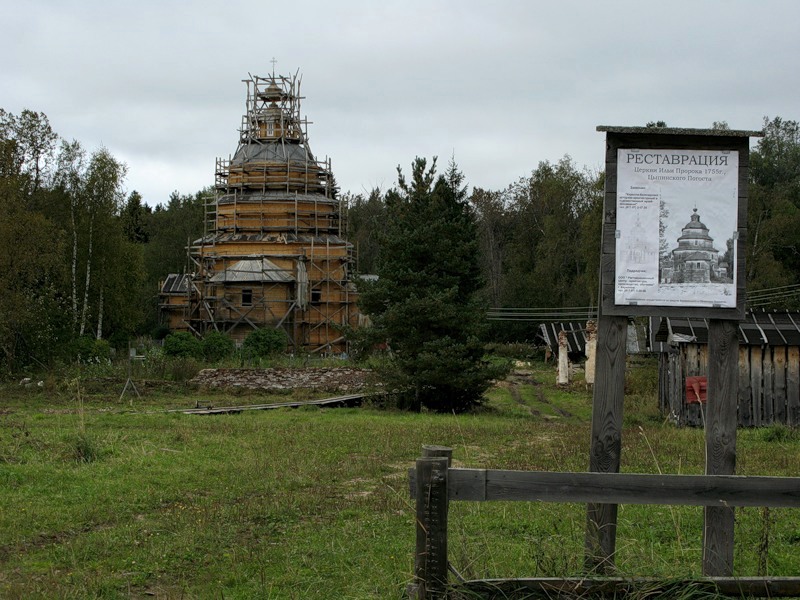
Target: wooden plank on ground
349 400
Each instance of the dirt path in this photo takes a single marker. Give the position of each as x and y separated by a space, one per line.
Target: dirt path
521 376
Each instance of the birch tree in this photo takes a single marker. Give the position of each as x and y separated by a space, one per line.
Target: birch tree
103 196
70 171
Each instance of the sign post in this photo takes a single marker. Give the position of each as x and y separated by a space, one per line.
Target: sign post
674 234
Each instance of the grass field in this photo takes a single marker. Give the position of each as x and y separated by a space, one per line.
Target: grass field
117 499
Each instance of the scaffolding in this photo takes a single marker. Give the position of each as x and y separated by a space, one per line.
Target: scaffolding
273 252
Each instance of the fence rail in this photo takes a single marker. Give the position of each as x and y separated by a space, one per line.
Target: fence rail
619 488
434 484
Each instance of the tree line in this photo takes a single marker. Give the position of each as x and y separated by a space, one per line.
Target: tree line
81 258
539 238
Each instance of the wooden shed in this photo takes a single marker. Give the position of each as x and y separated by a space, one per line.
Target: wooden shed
769 368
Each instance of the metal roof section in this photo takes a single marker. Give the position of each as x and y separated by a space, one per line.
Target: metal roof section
758 329
253 270
272 152
576 335
175 283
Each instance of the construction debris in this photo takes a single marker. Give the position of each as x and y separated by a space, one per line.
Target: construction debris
340 379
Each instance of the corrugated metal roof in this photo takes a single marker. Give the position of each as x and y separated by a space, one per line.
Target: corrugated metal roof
576 335
175 283
259 270
758 329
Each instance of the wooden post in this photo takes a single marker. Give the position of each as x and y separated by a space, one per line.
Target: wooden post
723 383
793 387
591 350
430 557
767 382
756 384
563 359
745 399
606 443
779 384
430 451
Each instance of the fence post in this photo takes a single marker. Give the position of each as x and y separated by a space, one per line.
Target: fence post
430 451
591 350
430 556
563 359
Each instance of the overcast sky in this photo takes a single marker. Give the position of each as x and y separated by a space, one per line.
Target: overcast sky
501 85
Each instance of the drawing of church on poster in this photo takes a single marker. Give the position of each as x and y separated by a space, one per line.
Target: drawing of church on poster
695 259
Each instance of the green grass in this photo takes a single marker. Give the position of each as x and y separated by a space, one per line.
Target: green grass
101 499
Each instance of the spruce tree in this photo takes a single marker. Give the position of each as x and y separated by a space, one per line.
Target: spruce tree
424 303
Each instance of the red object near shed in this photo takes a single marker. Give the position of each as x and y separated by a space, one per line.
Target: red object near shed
696 389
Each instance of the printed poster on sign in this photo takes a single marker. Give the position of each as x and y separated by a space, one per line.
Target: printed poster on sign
676 238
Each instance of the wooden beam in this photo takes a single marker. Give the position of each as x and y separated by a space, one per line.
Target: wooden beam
606 441
480 485
738 587
793 387
721 421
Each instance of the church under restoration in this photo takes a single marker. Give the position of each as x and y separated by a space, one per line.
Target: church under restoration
273 252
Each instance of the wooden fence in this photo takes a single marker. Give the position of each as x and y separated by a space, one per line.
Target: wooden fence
769 384
434 484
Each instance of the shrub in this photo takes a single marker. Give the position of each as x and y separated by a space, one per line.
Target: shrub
182 369
183 344
264 342
86 349
217 345
518 350
160 332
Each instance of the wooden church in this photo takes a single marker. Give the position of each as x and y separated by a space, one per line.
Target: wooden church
273 253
